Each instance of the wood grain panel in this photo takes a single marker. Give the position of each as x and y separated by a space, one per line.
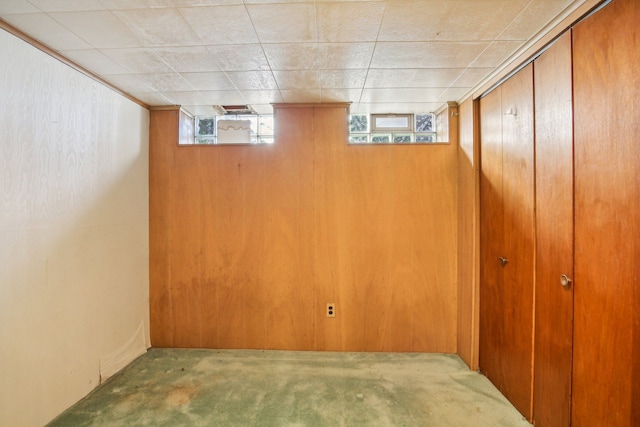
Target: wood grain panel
163 134
468 235
518 196
554 235
607 220
507 230
491 233
287 265
260 238
339 226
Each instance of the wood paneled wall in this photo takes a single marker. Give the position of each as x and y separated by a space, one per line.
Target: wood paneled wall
607 217
468 234
249 243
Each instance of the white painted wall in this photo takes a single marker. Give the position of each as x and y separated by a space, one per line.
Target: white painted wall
74 257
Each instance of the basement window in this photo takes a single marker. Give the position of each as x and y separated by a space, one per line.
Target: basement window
234 129
392 129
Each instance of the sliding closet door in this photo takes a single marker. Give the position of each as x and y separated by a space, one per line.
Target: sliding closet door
506 289
554 236
606 379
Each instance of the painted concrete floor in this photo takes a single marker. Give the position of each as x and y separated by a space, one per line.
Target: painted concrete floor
188 387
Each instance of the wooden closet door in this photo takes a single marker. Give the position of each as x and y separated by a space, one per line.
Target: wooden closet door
606 369
506 293
491 237
554 235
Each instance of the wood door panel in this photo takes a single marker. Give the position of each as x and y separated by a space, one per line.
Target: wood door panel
554 235
518 198
491 232
507 230
607 220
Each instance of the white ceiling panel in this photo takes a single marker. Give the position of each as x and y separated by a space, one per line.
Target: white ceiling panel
42 27
220 24
350 21
215 80
284 23
101 29
379 55
138 60
158 27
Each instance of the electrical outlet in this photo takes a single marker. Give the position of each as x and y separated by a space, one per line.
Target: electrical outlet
331 309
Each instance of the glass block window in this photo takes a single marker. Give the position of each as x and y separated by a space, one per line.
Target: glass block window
402 138
380 138
426 138
359 123
358 138
425 122
262 128
392 129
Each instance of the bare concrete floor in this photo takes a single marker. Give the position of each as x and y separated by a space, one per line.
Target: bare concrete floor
187 387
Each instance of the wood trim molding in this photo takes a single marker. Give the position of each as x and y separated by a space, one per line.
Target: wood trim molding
49 51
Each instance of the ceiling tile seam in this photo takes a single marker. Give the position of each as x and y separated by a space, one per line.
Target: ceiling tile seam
262 49
373 52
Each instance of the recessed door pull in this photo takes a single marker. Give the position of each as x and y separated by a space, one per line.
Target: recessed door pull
503 261
565 281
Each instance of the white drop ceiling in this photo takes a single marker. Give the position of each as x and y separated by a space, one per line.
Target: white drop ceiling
382 56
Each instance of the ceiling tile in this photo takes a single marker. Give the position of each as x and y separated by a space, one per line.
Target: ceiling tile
216 80
220 24
349 22
188 58
183 3
239 57
302 95
101 29
426 54
343 79
299 79
496 53
533 18
168 82
453 94
187 97
292 56
17 6
471 77
158 27
252 80
43 28
335 56
261 96
481 19
129 82
151 98
402 95
67 5
277 1
341 95
222 97
421 77
138 60
417 20
284 23
93 59
135 4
